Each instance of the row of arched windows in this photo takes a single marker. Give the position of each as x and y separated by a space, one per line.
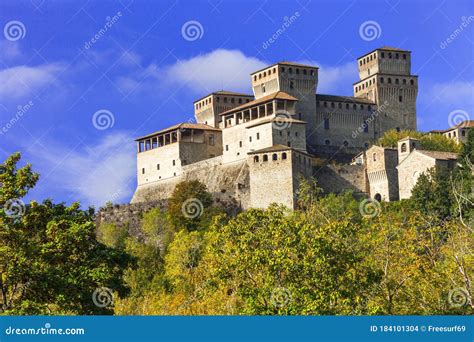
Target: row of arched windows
368 83
373 56
282 69
326 104
218 99
301 159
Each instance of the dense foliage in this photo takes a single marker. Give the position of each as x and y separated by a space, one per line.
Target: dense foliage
334 255
50 260
428 141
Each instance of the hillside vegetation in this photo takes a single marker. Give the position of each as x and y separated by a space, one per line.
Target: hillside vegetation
334 255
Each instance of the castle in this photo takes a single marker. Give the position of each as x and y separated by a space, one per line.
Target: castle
253 149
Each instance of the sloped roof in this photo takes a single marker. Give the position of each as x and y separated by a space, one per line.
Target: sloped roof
286 63
464 124
183 125
347 99
277 148
279 95
277 119
385 48
439 155
224 92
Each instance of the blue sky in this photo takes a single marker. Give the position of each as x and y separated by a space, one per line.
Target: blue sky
144 70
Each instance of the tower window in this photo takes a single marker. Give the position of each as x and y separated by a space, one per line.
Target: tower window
404 56
255 159
274 156
232 100
374 157
396 55
227 147
381 79
250 139
383 54
211 139
397 81
404 147
305 71
263 88
258 136
347 106
290 70
157 166
240 143
327 142
143 171
463 133
265 158
283 155
404 81
292 85
225 99
412 82
174 162
400 99
282 69
297 71
326 123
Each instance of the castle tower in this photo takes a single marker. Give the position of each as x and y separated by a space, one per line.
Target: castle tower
208 108
406 146
385 78
295 79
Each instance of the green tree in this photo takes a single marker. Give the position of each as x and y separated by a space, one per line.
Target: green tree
50 260
190 206
428 141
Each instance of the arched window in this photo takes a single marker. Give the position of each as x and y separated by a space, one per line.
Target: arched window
378 197
255 159
404 81
404 147
389 80
265 158
374 157
412 82
327 142
274 156
283 155
290 70
381 79
396 81
264 74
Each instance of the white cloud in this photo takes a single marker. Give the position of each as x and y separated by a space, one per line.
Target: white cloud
24 80
216 70
228 70
104 171
219 69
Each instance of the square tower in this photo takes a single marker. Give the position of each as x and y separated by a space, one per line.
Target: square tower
297 80
385 78
208 108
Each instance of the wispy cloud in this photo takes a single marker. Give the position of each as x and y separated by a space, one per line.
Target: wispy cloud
20 81
94 174
216 70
